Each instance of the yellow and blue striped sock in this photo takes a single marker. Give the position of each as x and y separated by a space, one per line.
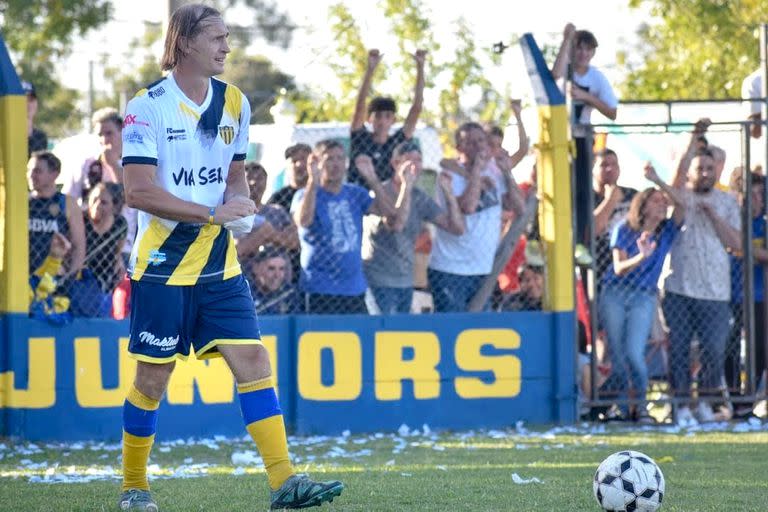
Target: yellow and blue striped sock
139 425
264 421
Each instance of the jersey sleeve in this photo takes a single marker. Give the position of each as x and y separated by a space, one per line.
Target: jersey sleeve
140 129
621 238
241 143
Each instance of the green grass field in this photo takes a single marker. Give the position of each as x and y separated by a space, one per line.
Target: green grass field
704 471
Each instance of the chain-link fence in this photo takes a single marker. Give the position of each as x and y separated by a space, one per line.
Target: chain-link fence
411 232
670 295
386 227
78 248
674 288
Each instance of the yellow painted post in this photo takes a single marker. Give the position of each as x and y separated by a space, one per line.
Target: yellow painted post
554 179
555 217
14 206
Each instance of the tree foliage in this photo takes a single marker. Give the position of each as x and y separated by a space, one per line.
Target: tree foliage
460 76
410 24
267 22
125 80
259 80
41 32
466 78
256 76
348 61
698 49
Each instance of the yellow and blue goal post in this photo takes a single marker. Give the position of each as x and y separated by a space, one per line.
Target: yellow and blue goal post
555 217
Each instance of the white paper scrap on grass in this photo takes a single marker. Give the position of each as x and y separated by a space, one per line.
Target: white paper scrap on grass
520 480
246 458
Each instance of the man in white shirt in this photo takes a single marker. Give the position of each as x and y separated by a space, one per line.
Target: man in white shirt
589 90
697 291
752 89
460 263
108 125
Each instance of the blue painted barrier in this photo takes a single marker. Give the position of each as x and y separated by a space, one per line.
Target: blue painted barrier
451 371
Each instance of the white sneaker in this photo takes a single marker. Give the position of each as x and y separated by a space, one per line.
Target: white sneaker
704 413
684 417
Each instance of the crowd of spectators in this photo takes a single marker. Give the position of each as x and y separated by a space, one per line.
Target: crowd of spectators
342 237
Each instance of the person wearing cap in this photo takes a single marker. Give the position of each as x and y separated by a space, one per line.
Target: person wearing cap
388 250
273 294
37 139
296 156
379 144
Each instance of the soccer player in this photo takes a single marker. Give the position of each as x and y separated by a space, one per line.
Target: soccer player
184 146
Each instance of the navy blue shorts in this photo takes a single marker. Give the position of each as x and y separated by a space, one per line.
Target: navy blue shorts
167 320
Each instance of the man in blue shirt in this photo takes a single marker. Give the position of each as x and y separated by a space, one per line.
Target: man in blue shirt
329 213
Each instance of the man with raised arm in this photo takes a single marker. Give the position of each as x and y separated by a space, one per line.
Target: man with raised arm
379 144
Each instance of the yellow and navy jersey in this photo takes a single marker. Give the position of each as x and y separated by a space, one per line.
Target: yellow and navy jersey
192 147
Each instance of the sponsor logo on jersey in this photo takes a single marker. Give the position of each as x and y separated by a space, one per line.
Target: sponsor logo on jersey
227 134
176 134
156 93
132 119
165 344
43 226
134 138
156 257
204 176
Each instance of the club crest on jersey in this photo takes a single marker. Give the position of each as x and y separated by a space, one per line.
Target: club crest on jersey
156 257
227 134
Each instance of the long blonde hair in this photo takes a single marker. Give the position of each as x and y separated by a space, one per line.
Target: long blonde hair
186 22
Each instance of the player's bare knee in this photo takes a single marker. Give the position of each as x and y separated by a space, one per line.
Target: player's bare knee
247 362
152 379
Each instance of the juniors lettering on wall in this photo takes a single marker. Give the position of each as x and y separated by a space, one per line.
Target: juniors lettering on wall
398 356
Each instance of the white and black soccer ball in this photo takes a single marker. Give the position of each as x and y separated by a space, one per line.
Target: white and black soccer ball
629 481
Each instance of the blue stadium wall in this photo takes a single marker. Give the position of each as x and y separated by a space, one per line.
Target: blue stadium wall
450 371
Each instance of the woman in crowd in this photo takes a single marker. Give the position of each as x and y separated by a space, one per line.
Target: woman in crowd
628 301
105 234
